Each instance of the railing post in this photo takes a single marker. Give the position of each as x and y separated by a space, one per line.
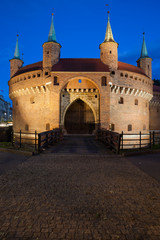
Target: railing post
150 139
119 143
35 140
47 139
122 140
153 138
12 137
140 139
51 137
20 144
39 142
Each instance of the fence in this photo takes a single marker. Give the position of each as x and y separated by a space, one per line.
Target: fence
30 139
37 140
139 140
112 139
125 141
48 138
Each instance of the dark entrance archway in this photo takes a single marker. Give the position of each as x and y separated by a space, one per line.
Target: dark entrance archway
79 118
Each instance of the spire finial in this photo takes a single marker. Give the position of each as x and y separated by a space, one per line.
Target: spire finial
52 35
144 52
109 34
16 53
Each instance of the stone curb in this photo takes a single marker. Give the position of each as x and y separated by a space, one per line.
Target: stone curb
140 153
16 151
80 155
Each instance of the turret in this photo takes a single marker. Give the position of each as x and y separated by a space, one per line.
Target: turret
15 63
108 49
145 62
51 50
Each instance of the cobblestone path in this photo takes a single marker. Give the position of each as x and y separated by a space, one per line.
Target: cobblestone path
80 198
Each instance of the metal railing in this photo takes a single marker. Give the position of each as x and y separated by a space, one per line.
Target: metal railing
30 138
38 141
125 141
139 140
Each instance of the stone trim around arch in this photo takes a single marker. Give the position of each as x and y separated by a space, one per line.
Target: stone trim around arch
84 100
82 77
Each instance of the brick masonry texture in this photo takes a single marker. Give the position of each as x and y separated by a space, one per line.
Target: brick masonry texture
37 91
82 197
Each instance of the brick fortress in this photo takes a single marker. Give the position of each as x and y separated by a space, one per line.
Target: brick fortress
79 95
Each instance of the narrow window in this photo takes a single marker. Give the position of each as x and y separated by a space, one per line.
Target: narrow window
104 81
129 127
95 96
34 76
26 127
46 73
136 102
29 77
56 80
110 52
32 100
24 78
121 101
111 127
121 74
38 75
47 126
113 72
126 75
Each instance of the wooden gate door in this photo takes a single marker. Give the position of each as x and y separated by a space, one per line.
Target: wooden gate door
79 118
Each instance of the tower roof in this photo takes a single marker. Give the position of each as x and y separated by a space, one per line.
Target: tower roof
52 34
109 34
16 53
144 52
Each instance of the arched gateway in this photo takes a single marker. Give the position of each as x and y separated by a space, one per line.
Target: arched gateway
79 118
79 106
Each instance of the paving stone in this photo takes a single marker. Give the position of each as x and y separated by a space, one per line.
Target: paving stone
78 197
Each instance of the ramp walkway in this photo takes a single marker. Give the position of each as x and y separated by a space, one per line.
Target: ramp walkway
79 145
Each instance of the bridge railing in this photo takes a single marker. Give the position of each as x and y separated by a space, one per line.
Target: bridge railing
125 141
111 139
48 138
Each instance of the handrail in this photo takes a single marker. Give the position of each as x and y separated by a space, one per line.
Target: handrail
49 137
119 142
112 139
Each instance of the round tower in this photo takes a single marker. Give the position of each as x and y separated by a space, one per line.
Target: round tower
51 49
15 63
145 62
108 49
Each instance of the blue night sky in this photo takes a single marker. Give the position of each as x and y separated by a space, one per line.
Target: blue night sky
80 27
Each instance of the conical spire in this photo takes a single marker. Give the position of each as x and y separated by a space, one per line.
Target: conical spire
52 35
144 52
16 53
109 34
